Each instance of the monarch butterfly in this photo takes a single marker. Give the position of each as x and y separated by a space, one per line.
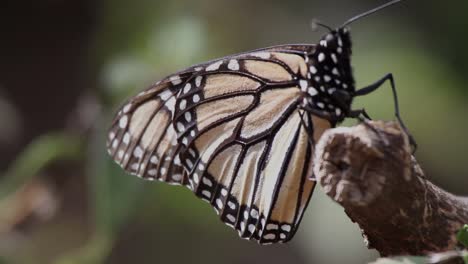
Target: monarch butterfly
239 131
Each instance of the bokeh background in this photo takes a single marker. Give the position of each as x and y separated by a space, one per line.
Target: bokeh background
66 66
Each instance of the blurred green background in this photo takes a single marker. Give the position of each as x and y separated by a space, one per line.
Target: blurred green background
66 66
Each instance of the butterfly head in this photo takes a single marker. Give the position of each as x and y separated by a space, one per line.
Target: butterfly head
331 77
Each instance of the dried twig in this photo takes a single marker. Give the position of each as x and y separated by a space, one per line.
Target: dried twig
383 189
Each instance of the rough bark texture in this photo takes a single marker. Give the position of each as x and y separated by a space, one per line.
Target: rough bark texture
384 190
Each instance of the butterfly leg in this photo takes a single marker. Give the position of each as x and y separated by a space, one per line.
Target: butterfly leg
309 129
363 117
378 84
360 113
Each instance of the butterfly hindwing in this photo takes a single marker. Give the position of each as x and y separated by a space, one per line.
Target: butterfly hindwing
142 138
242 141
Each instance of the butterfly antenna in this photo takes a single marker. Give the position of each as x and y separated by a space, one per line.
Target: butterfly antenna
315 23
370 12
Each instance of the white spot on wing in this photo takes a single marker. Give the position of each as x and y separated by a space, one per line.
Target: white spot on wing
126 138
254 213
183 104
175 80
272 227
242 225
165 95
180 126
219 203
177 160
214 66
207 182
231 218
193 153
170 103
201 166
196 178
188 116
246 214
233 65
187 87
303 84
127 108
138 152
206 193
261 55
123 121
198 80
134 166
189 163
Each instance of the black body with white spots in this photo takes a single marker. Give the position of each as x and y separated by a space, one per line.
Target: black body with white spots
331 83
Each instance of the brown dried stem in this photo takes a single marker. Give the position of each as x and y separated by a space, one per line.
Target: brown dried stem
384 190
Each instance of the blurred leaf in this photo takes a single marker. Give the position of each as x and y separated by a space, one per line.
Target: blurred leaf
462 236
122 74
113 192
112 199
38 154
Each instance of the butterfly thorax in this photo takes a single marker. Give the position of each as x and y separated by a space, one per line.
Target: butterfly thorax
331 84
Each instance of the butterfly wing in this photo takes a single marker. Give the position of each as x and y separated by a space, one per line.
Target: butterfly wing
242 141
142 139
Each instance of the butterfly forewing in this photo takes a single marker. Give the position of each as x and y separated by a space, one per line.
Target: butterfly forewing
243 143
232 131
